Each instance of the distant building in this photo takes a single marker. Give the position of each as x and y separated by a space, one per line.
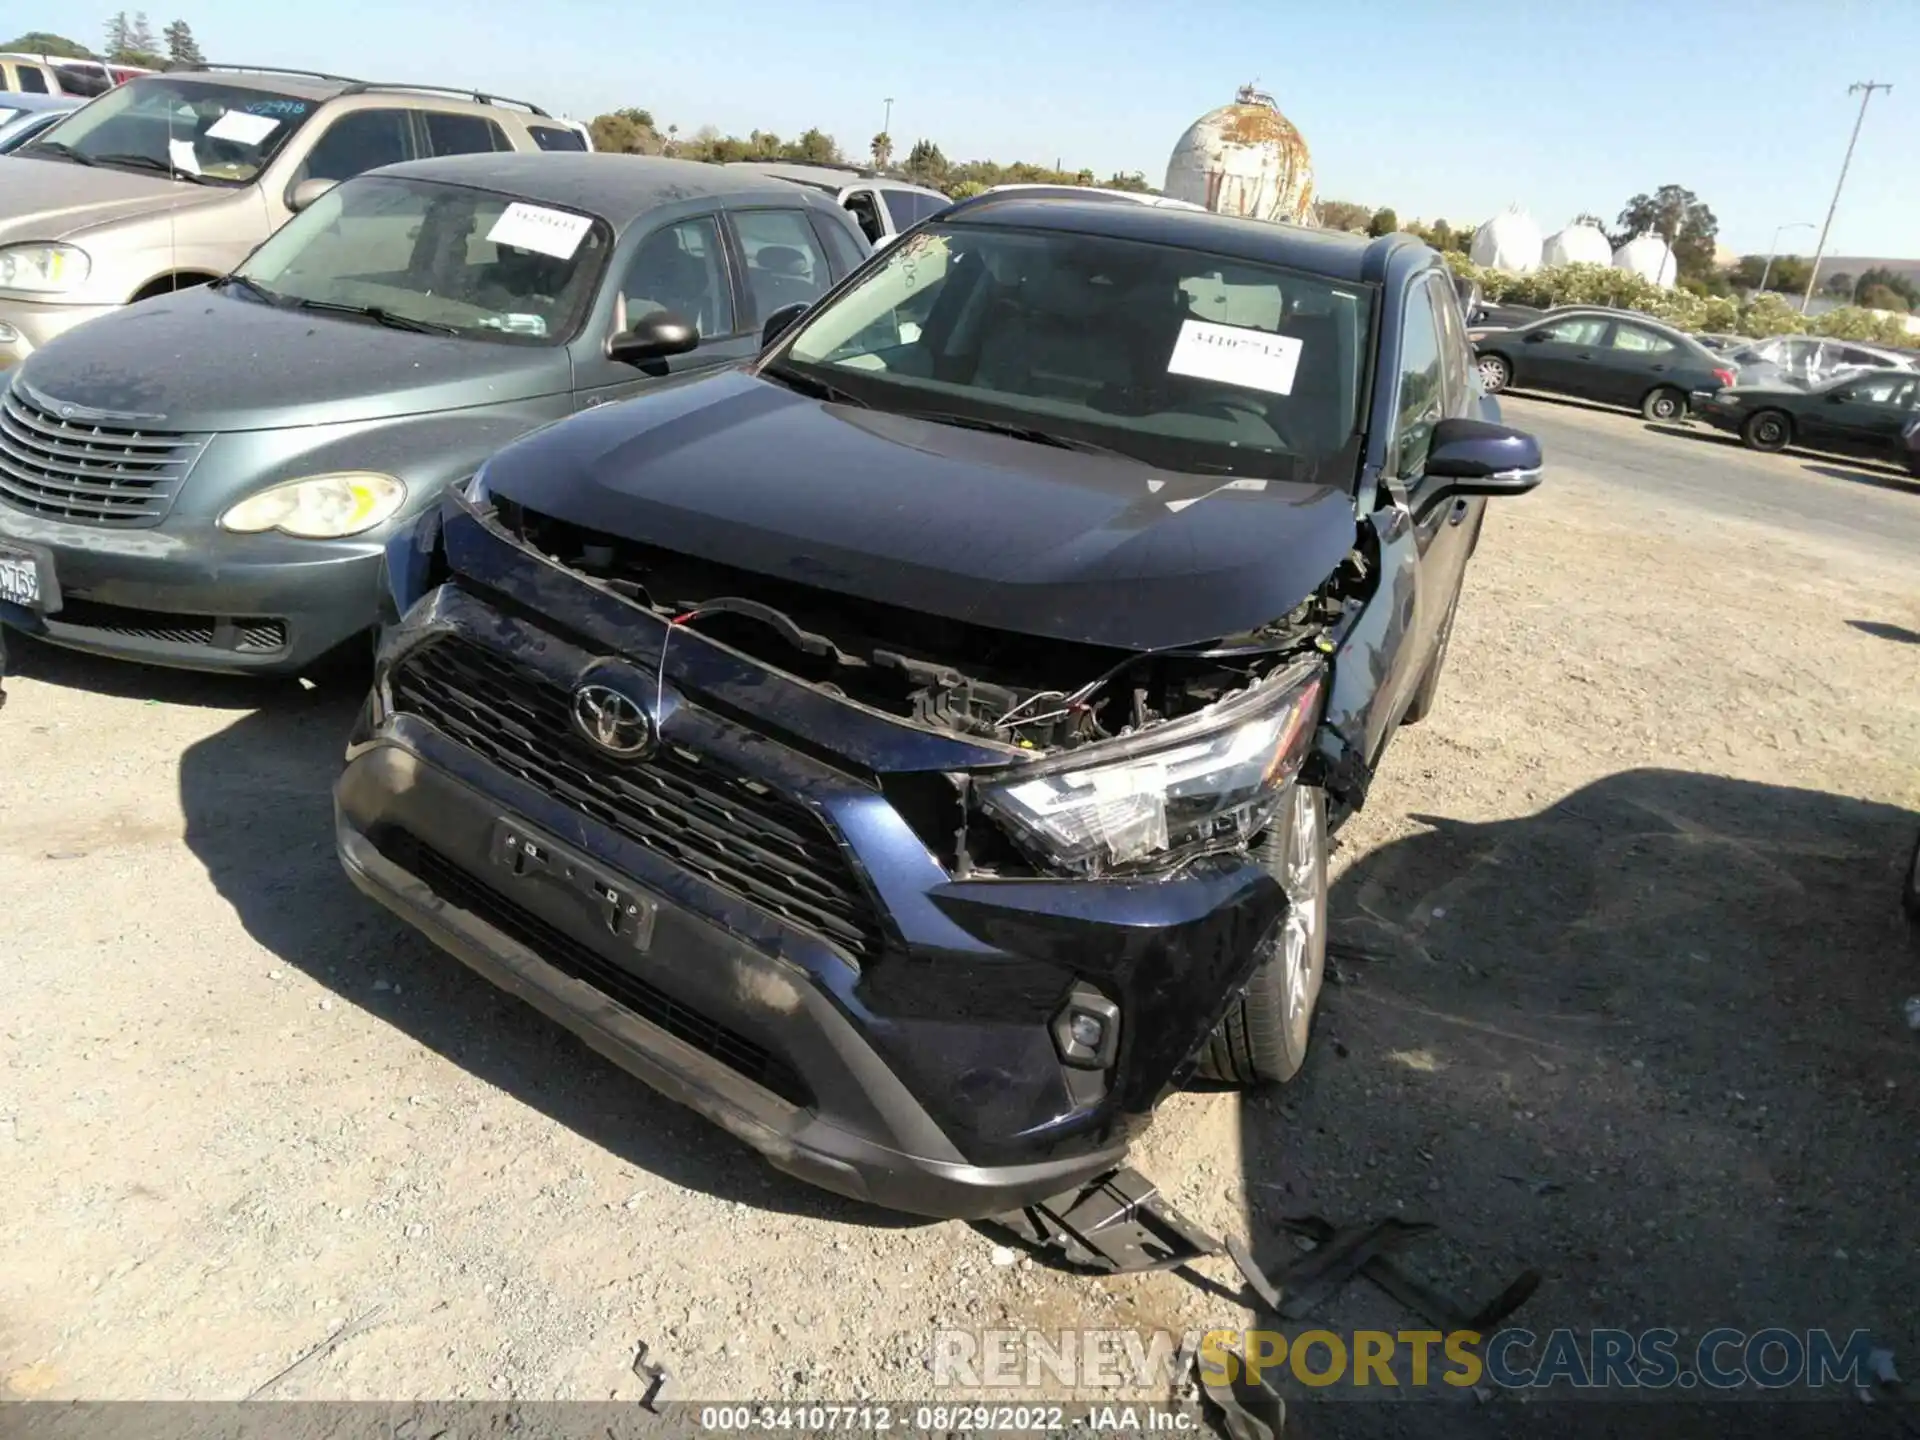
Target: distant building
1244 159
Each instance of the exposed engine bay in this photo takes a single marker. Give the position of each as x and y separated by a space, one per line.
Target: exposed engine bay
1032 692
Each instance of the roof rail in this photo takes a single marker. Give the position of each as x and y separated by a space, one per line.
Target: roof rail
363 87
865 172
281 70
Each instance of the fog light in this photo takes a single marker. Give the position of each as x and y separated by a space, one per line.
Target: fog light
1087 1030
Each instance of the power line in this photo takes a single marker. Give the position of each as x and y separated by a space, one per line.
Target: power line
1864 89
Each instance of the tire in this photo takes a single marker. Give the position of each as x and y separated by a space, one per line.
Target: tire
1495 373
1663 403
1422 703
1768 430
1262 1039
1910 892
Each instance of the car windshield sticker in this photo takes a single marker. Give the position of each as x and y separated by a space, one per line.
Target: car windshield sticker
1254 359
242 128
278 107
180 155
534 227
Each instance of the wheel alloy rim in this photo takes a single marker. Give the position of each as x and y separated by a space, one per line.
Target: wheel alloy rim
1306 907
1664 408
1769 431
1491 374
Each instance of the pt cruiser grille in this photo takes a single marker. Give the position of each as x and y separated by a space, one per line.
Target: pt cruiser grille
96 474
732 831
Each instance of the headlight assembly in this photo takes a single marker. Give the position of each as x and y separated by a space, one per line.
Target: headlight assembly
319 507
1211 779
43 269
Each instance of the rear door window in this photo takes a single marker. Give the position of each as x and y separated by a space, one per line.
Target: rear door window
33 80
358 141
1644 342
450 134
785 263
1580 330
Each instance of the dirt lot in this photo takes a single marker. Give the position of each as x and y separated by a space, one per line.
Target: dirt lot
1621 967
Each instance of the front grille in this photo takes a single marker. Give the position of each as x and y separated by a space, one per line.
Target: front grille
564 953
726 828
97 474
250 635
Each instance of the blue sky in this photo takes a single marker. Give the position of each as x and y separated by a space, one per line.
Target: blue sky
1439 107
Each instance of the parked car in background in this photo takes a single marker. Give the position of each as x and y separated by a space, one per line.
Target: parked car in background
92 77
29 75
882 206
1611 356
1488 316
1720 344
564 135
914 750
169 180
207 480
1806 361
1865 413
24 116
1038 189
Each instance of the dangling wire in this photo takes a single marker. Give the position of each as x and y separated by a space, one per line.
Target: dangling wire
660 675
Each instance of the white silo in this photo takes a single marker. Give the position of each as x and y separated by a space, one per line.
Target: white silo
1649 257
1510 241
1577 245
1244 159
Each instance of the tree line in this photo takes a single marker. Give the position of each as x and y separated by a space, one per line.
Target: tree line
129 41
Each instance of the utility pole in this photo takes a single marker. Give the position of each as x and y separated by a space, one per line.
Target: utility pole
886 126
1864 89
1774 249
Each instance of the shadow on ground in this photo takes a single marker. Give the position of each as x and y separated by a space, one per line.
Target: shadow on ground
30 659
1889 479
256 798
1885 630
1648 1041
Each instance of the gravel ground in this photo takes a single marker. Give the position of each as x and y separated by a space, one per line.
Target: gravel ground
1619 976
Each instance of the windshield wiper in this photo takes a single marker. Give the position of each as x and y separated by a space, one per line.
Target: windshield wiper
374 312
272 297
812 385
1014 430
61 149
148 162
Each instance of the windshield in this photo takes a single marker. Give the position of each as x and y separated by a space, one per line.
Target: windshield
1179 358
201 130
475 262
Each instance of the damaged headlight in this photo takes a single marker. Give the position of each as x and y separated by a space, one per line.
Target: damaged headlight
1213 778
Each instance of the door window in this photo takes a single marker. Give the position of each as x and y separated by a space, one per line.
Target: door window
33 80
785 263
359 140
681 268
1892 390
450 134
845 250
1640 342
1422 382
902 207
1580 330
860 203
556 137
1456 354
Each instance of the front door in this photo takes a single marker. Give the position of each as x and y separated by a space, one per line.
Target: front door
1863 417
681 266
1636 360
1560 355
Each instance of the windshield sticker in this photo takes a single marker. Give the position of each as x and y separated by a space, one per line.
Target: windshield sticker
278 107
242 127
1253 359
180 155
534 227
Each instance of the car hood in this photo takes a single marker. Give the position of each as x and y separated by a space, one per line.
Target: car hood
203 360
52 199
951 522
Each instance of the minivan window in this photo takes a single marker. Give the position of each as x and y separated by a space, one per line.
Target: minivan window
416 254
32 80
217 133
358 141
557 137
1176 357
450 134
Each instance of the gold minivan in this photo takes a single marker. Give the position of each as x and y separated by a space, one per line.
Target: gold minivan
170 180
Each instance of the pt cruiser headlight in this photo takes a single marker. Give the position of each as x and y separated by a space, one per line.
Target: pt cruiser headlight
320 507
43 269
1212 779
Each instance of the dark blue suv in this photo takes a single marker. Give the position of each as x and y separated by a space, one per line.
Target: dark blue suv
915 750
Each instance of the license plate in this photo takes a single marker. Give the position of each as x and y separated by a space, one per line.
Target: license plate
627 914
20 579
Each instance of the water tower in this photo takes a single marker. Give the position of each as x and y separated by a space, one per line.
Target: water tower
1244 159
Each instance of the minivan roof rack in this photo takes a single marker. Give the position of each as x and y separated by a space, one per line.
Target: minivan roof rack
282 70
362 87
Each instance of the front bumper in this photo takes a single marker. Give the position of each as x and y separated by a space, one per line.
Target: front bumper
30 325
1703 406
190 595
918 1068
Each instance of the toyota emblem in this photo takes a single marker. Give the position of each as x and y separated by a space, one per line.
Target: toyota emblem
612 721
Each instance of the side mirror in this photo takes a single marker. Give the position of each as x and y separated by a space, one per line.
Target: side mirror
1839 397
653 337
781 321
1537 336
1477 457
306 192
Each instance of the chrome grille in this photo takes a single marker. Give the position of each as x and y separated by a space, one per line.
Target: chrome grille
93 473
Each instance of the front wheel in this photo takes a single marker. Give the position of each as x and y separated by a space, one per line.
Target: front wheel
1665 403
1495 373
1263 1037
1768 430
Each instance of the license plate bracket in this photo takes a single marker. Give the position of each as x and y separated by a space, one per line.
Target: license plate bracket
27 577
628 914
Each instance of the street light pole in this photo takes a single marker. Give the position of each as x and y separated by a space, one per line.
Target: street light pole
886 126
1864 89
1774 249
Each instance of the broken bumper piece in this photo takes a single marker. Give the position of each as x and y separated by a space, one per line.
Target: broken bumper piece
1116 1224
